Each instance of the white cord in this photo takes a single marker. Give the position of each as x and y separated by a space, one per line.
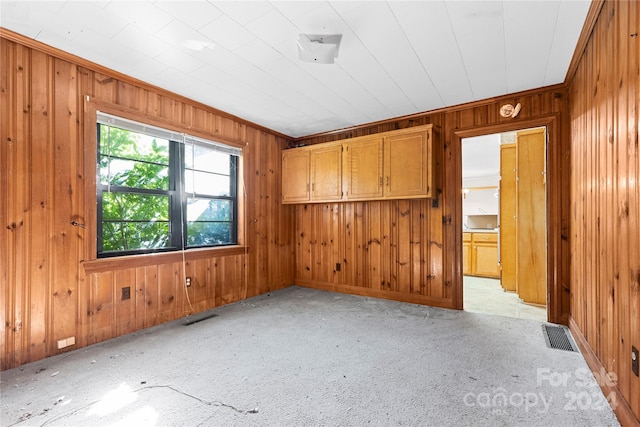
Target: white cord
182 237
244 237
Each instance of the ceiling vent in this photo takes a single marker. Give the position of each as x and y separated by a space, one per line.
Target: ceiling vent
319 49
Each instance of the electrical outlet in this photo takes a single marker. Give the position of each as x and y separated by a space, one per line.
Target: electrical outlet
187 282
635 361
126 293
66 342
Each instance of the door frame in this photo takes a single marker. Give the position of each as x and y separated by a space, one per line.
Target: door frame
557 294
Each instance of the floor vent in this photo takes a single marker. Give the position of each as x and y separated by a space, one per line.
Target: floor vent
190 320
558 337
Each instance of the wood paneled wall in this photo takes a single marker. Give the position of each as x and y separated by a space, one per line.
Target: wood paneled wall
50 290
379 246
605 198
411 250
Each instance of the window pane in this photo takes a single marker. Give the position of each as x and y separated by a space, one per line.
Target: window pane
131 159
134 207
126 144
133 174
207 183
127 236
209 210
208 233
206 159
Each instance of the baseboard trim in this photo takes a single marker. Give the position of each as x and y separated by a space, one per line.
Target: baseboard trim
378 293
622 410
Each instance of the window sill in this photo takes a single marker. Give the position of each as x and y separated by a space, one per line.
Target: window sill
134 261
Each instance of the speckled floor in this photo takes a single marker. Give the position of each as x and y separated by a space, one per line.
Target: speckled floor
302 357
482 295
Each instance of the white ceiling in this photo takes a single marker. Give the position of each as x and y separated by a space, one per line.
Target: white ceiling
396 57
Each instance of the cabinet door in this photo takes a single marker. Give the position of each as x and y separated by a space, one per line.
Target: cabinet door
326 173
295 175
466 254
406 165
364 169
508 243
485 255
531 226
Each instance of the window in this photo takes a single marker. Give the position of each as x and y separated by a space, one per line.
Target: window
160 190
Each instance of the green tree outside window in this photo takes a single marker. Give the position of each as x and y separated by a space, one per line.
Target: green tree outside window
156 194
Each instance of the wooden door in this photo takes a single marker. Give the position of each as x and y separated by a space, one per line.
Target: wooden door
295 175
531 226
508 239
326 173
364 168
406 160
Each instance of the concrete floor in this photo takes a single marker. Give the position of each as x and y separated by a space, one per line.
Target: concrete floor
301 357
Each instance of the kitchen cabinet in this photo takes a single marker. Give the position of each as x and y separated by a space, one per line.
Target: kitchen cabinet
326 173
295 176
523 229
508 241
407 159
466 254
389 165
364 168
312 174
480 258
531 226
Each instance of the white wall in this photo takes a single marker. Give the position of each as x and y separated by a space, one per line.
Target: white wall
481 169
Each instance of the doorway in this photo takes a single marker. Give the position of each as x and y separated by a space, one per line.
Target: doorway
504 236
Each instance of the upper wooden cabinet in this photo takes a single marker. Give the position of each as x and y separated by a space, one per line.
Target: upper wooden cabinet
312 174
295 176
390 165
407 165
364 168
326 173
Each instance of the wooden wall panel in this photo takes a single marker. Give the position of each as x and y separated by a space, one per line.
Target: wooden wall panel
605 202
50 290
40 206
419 256
63 155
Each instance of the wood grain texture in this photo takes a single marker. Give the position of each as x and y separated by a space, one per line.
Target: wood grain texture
52 288
508 243
531 246
420 255
605 202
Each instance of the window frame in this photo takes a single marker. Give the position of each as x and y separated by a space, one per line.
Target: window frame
234 163
176 192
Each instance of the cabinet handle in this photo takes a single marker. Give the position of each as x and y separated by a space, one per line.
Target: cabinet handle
313 187
387 180
380 182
